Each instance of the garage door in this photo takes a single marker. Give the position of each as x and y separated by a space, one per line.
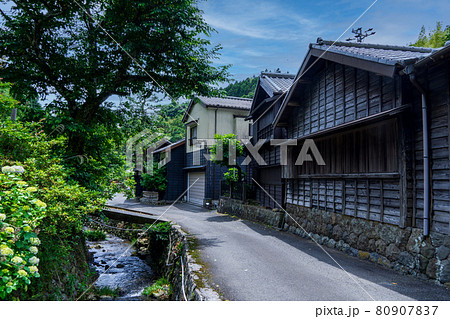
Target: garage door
196 192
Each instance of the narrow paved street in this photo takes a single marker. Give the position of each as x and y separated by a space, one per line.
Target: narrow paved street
249 261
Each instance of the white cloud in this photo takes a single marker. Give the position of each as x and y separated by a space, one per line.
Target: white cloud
258 20
275 33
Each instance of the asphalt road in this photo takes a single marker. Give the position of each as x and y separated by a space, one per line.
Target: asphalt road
248 261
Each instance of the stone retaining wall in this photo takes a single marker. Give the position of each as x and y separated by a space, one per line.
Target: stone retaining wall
195 287
403 249
165 257
269 217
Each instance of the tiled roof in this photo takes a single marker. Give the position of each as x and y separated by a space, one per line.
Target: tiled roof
386 54
436 55
171 146
229 102
276 83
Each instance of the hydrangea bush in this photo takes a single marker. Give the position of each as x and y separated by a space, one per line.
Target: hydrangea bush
20 214
37 190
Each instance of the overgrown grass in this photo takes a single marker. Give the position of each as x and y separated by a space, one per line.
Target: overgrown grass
107 291
95 235
161 289
160 231
64 270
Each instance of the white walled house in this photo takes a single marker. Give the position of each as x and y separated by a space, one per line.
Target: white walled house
205 117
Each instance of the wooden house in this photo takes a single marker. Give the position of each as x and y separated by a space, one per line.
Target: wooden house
205 117
269 94
371 110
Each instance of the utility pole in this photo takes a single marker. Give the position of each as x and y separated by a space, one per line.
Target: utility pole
360 35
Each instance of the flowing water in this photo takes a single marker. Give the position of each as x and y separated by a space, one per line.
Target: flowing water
130 274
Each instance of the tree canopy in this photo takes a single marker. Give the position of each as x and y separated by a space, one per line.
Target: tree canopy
436 38
245 88
84 52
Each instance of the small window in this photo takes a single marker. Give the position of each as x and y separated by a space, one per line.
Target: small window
193 135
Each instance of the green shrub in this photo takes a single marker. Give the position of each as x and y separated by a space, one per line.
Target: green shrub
227 145
156 181
232 175
20 214
160 289
44 182
95 235
160 231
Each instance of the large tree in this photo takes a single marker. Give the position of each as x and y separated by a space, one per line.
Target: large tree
82 52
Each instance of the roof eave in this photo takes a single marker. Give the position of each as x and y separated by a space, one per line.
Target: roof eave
378 66
432 57
227 107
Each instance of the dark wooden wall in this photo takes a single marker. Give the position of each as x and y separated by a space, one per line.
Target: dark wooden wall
364 162
372 148
270 180
269 175
436 81
361 177
374 171
340 94
174 173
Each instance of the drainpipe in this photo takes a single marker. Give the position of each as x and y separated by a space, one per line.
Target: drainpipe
426 159
215 132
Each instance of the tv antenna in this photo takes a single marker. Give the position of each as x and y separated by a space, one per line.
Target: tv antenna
360 35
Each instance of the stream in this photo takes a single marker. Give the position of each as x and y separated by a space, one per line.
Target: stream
130 274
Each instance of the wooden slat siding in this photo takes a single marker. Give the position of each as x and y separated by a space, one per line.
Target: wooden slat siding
437 81
329 96
388 94
402 163
334 196
381 93
344 94
349 97
361 93
368 195
356 197
340 94
323 113
322 105
367 93
356 148
438 85
360 197
355 100
336 95
381 200
307 110
374 94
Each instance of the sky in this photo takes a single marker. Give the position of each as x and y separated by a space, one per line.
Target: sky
270 34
